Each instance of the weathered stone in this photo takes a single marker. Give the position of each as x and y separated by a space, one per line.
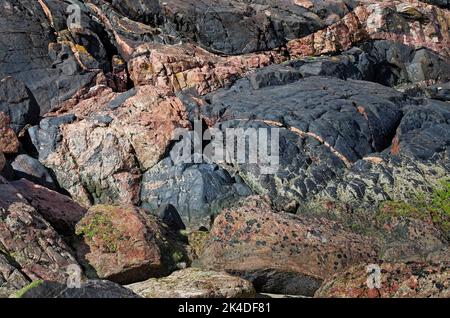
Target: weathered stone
8 139
195 283
282 253
89 289
11 279
30 168
413 23
59 210
30 240
106 150
198 192
126 245
18 103
414 280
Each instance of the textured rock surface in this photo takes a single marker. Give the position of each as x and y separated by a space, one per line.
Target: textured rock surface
59 210
8 139
25 166
89 289
30 240
397 281
282 253
195 283
126 245
11 279
93 95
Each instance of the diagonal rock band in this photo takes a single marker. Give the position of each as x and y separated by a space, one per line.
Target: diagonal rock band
224 148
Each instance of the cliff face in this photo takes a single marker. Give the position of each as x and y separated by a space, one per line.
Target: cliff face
93 93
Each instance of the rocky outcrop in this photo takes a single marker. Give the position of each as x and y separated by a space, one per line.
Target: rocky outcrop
126 245
25 166
415 280
195 283
57 209
88 289
29 240
282 253
413 23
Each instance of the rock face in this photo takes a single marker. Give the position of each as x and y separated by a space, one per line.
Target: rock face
89 289
126 245
59 210
282 253
339 107
194 283
18 103
30 240
413 280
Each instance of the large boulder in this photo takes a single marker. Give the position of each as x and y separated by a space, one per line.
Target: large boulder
107 141
195 283
282 253
126 245
198 192
396 280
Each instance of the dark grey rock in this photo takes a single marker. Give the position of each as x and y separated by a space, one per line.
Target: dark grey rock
89 289
197 191
29 168
18 103
46 136
170 216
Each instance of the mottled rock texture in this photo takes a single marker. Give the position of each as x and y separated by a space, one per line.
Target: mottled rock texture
94 95
126 245
195 283
414 280
282 253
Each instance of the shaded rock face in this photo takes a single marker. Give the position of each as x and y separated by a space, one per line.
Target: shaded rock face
89 289
414 280
282 253
29 240
17 102
127 245
25 166
195 283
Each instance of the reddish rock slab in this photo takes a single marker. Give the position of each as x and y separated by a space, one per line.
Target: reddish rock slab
412 23
59 210
126 245
396 280
176 67
28 239
8 139
279 252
